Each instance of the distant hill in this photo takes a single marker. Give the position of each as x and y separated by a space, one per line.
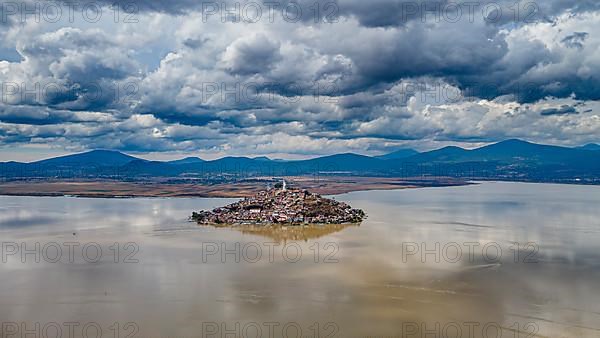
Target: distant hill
510 159
261 158
143 168
591 146
450 153
347 162
401 153
509 151
101 157
91 164
507 160
187 160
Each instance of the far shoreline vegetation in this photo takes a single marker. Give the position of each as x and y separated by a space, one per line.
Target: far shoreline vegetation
126 190
332 185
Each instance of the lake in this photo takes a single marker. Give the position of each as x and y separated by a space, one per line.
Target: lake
487 260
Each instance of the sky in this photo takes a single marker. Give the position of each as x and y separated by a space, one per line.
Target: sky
294 79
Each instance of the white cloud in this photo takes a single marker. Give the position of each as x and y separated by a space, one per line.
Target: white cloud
363 84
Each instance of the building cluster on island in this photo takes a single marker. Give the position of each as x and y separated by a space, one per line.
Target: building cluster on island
282 206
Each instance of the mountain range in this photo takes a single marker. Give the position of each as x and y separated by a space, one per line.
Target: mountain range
507 160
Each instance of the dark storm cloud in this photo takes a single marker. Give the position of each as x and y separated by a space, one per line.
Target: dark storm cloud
13 138
466 52
563 110
575 40
41 115
195 43
34 115
386 13
374 13
371 76
71 69
251 56
377 13
170 116
421 52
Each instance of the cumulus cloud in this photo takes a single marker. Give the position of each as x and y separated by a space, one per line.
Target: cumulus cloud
352 76
251 55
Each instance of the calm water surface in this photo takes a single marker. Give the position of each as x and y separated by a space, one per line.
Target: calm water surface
492 260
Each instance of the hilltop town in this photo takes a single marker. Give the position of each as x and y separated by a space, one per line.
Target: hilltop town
282 206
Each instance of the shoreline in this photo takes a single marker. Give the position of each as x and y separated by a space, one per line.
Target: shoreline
118 189
129 190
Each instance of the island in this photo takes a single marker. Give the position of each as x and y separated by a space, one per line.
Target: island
281 206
